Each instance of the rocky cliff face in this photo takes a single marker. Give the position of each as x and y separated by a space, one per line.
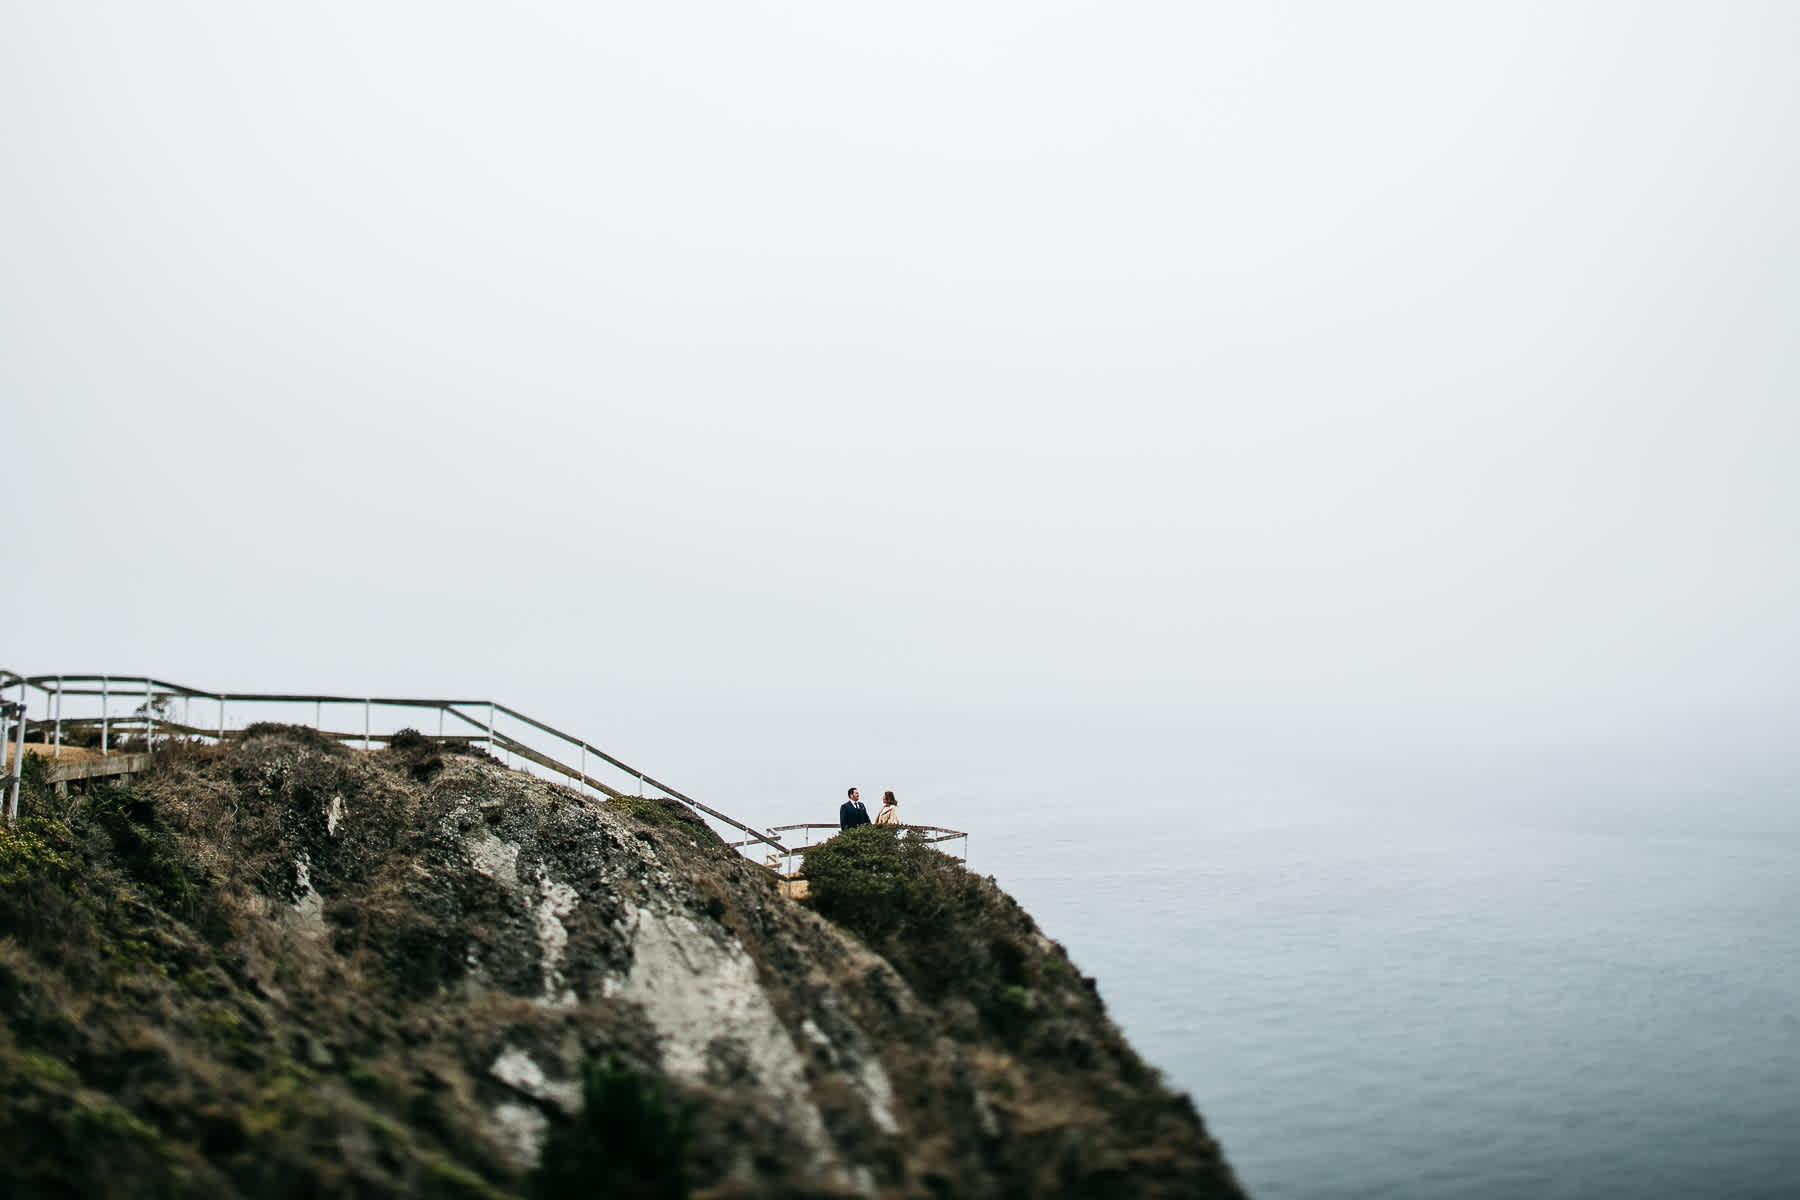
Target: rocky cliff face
292 969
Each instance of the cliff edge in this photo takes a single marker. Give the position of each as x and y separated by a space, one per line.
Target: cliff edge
291 969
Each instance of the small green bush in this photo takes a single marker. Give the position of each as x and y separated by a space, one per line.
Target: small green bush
947 932
37 795
300 735
40 1068
107 1122
419 752
33 770
670 814
151 854
877 883
447 1181
629 1143
28 854
408 741
1012 1009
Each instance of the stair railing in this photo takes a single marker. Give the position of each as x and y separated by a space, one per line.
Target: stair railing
504 730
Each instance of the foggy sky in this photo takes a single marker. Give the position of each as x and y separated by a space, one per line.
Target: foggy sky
1318 368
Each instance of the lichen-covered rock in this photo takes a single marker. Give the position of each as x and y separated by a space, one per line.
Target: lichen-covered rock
295 969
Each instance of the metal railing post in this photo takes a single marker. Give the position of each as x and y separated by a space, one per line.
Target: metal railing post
490 726
58 752
366 705
583 780
6 715
105 704
12 810
149 719
318 714
221 718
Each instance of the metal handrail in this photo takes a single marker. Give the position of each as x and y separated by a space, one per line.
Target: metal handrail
153 690
943 834
947 835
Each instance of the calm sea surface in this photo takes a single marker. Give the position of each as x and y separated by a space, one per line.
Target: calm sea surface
1436 998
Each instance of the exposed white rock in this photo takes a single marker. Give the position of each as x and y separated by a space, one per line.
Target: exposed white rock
984 1115
877 1091
555 901
309 906
309 912
520 1072
334 815
497 859
698 989
521 1129
865 1072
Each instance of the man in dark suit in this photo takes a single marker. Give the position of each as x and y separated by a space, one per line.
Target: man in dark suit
852 813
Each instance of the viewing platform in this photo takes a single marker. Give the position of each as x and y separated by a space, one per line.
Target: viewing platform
64 765
783 864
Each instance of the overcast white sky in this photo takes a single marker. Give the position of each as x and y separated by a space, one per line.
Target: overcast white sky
1329 367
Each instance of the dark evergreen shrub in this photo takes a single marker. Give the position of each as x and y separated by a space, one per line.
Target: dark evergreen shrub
420 752
876 882
410 741
630 1142
946 931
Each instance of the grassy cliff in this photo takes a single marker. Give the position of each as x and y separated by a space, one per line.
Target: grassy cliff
288 968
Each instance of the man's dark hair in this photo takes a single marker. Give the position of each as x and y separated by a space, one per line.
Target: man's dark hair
851 792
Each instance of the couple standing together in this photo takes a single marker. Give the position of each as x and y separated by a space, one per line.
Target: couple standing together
852 813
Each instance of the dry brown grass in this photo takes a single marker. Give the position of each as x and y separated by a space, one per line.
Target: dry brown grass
49 753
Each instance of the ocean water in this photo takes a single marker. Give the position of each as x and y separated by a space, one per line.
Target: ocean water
1555 990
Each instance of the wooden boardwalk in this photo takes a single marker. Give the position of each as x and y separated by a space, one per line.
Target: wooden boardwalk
78 764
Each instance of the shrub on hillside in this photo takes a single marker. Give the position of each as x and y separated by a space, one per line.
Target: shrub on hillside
875 882
418 751
670 814
948 932
629 1142
300 735
151 854
32 852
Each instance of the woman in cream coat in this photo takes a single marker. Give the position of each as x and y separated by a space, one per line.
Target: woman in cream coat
890 810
